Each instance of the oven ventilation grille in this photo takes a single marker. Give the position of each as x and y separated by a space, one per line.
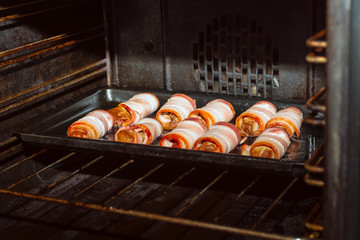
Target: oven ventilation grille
234 56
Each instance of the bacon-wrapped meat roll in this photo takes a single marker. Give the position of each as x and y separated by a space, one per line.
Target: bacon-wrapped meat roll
185 134
143 132
215 111
252 122
93 126
289 118
272 143
176 109
222 137
245 150
134 109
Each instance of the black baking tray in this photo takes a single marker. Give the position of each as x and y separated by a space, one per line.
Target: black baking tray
50 130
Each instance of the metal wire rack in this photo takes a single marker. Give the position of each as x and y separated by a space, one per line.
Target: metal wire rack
191 198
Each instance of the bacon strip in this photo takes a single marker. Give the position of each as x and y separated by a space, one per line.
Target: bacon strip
289 118
272 143
143 132
92 126
252 121
135 109
215 111
176 109
222 137
185 134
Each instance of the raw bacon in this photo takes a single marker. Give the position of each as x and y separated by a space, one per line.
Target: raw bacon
290 119
272 143
222 137
176 109
185 134
215 111
143 132
92 126
135 109
252 122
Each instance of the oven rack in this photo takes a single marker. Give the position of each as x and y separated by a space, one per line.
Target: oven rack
179 215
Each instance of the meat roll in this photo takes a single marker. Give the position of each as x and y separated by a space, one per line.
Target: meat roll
185 134
252 122
289 118
92 126
222 137
215 111
143 132
245 150
134 109
176 109
272 143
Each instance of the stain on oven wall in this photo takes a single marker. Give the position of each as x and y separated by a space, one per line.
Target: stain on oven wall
248 48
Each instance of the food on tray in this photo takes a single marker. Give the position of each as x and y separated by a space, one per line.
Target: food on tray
272 143
215 111
185 134
289 118
252 122
137 107
176 109
93 126
143 132
222 137
245 149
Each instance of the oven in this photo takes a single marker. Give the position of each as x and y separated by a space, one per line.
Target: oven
61 59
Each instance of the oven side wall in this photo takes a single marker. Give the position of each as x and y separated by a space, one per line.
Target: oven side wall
341 215
50 53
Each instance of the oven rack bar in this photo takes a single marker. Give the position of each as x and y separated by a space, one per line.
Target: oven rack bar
105 207
52 87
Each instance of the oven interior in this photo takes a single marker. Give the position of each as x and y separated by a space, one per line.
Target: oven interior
53 52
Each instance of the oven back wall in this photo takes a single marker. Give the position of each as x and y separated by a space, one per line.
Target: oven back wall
247 48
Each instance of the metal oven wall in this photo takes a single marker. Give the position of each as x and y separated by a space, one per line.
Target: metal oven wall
51 52
342 196
253 48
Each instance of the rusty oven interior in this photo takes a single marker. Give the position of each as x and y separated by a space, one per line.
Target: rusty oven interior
55 52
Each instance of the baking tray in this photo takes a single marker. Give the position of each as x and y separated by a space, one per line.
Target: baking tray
50 130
